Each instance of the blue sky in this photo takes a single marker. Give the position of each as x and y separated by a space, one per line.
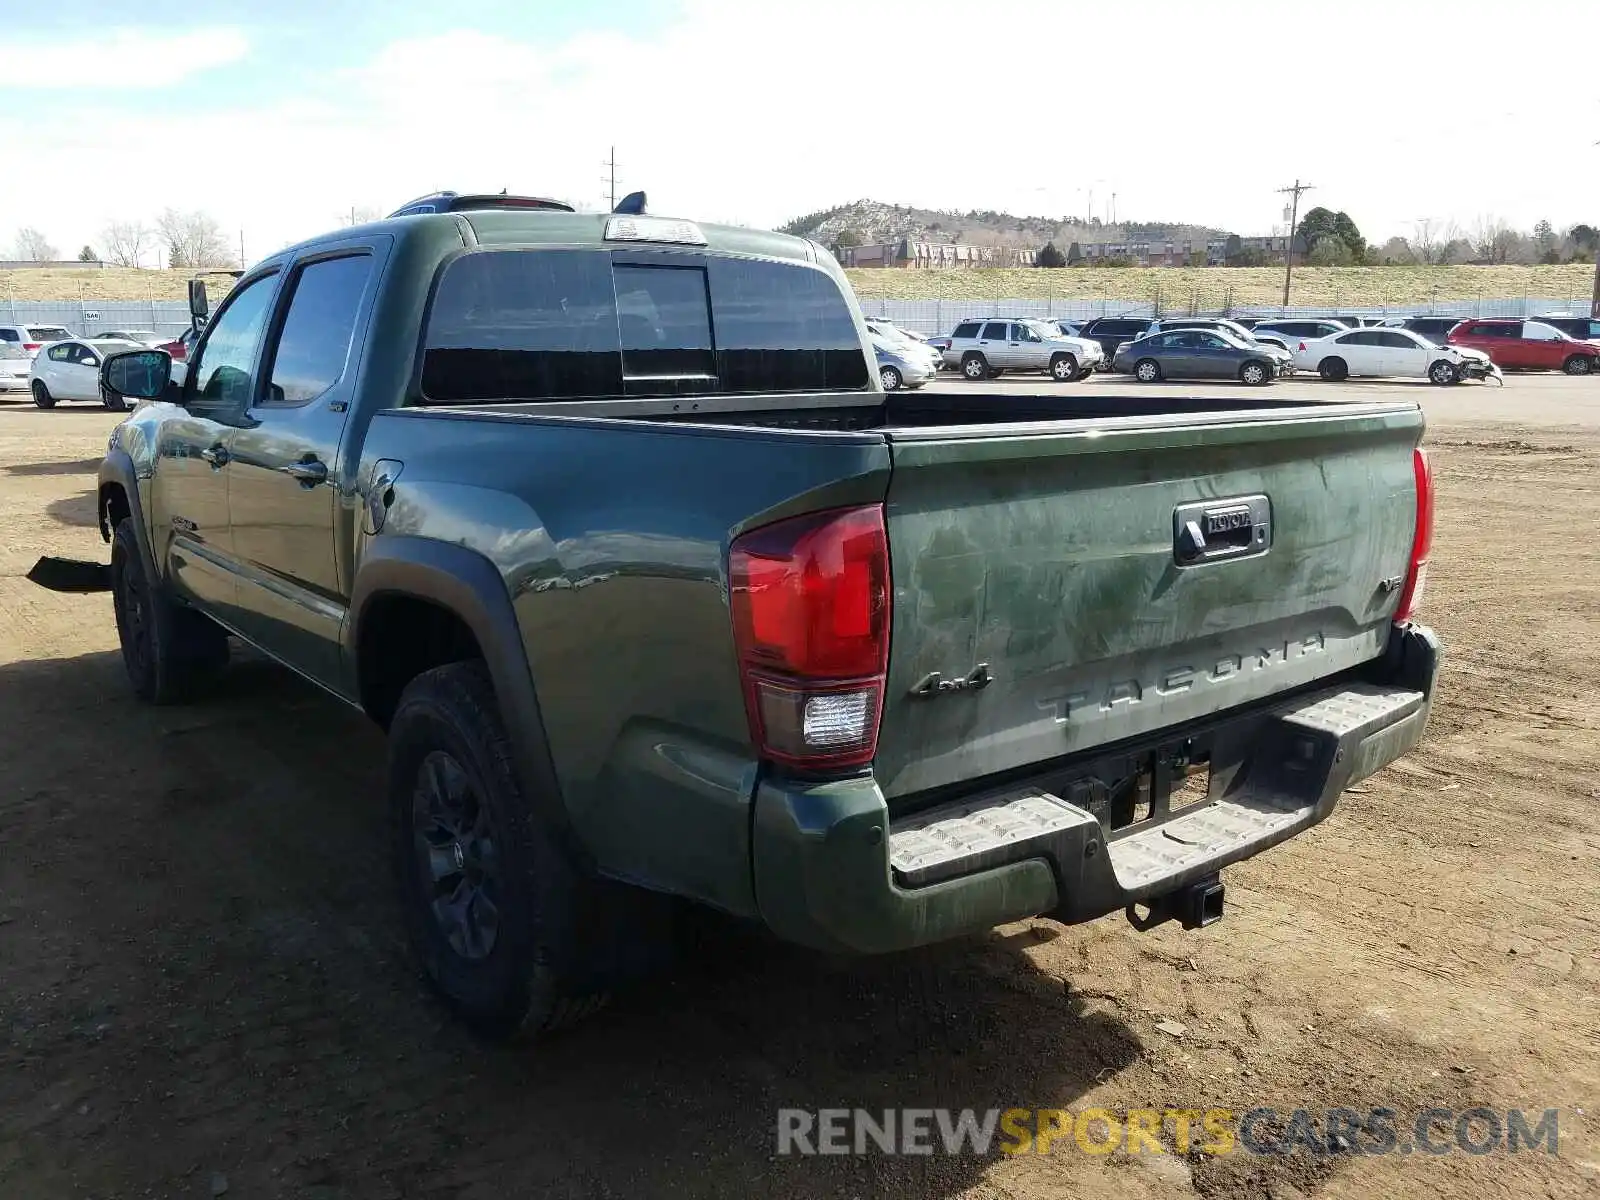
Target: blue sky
277 116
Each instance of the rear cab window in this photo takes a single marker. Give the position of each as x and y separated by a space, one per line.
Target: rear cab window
545 324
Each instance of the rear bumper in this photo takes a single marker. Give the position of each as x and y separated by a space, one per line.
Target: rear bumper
834 871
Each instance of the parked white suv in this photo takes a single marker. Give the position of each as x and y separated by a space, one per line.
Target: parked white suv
29 338
983 349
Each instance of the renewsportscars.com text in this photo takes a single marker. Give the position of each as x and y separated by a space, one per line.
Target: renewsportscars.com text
1218 1131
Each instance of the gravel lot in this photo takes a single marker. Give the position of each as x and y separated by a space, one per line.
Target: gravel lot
203 987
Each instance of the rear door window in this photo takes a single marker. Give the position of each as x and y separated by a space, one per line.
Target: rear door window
317 332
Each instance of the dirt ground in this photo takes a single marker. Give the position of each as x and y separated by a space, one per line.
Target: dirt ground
203 988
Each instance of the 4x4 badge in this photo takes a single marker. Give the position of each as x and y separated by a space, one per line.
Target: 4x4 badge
935 684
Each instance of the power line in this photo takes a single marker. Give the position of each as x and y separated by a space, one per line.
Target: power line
610 179
1288 246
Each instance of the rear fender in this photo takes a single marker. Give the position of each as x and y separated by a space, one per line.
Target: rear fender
467 584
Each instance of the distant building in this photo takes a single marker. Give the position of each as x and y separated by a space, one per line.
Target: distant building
935 255
1212 251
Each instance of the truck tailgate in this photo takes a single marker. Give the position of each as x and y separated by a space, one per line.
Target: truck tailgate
1049 594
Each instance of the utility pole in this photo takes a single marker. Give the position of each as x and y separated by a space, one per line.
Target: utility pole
241 249
611 179
1288 246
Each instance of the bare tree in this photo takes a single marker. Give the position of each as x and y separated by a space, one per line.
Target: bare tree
193 239
33 246
126 242
1493 241
1431 240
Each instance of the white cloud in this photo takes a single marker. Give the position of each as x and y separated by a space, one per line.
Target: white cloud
743 111
119 58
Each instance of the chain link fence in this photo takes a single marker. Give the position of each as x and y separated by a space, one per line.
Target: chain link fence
85 318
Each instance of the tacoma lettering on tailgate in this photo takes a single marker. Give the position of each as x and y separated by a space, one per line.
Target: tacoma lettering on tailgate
1169 681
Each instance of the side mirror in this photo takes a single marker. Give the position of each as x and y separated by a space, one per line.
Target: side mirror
199 306
137 374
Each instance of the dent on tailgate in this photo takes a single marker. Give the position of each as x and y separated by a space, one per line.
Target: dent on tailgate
1047 563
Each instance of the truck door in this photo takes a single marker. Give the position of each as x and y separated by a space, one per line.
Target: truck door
189 531
287 469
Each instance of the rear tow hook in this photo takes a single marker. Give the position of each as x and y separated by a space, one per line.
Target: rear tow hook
1195 905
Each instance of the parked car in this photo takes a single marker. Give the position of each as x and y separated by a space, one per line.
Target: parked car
899 366
1584 329
1111 332
1219 324
909 345
1515 344
1433 327
1376 351
1357 322
1248 322
1200 354
14 366
940 345
179 346
70 370
144 337
984 349
32 338
1066 328
659 650
1286 332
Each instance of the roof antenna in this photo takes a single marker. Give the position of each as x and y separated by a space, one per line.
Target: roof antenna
631 205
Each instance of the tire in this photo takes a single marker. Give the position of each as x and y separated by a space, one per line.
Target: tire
170 652
1255 374
1578 364
113 401
41 394
891 379
996 372
1147 370
975 367
1444 373
453 794
1064 368
1334 370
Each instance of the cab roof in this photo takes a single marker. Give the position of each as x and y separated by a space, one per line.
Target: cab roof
550 227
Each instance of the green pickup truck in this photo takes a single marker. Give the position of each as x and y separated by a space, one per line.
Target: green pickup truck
606 520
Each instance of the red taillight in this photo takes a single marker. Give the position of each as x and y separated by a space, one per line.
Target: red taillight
810 600
31 345
1421 541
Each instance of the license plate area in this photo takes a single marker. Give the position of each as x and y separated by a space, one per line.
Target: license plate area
1128 791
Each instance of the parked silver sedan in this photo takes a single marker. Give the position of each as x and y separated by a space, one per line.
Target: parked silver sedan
899 366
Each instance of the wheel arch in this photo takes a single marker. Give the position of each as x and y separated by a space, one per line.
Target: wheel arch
438 590
118 499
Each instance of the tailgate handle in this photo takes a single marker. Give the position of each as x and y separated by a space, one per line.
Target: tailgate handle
1210 530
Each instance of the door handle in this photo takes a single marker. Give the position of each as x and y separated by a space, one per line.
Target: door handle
217 456
308 471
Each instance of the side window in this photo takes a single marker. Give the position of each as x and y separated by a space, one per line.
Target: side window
311 351
1538 331
85 356
221 380
59 353
994 331
967 329
1024 334
9 335
1211 341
